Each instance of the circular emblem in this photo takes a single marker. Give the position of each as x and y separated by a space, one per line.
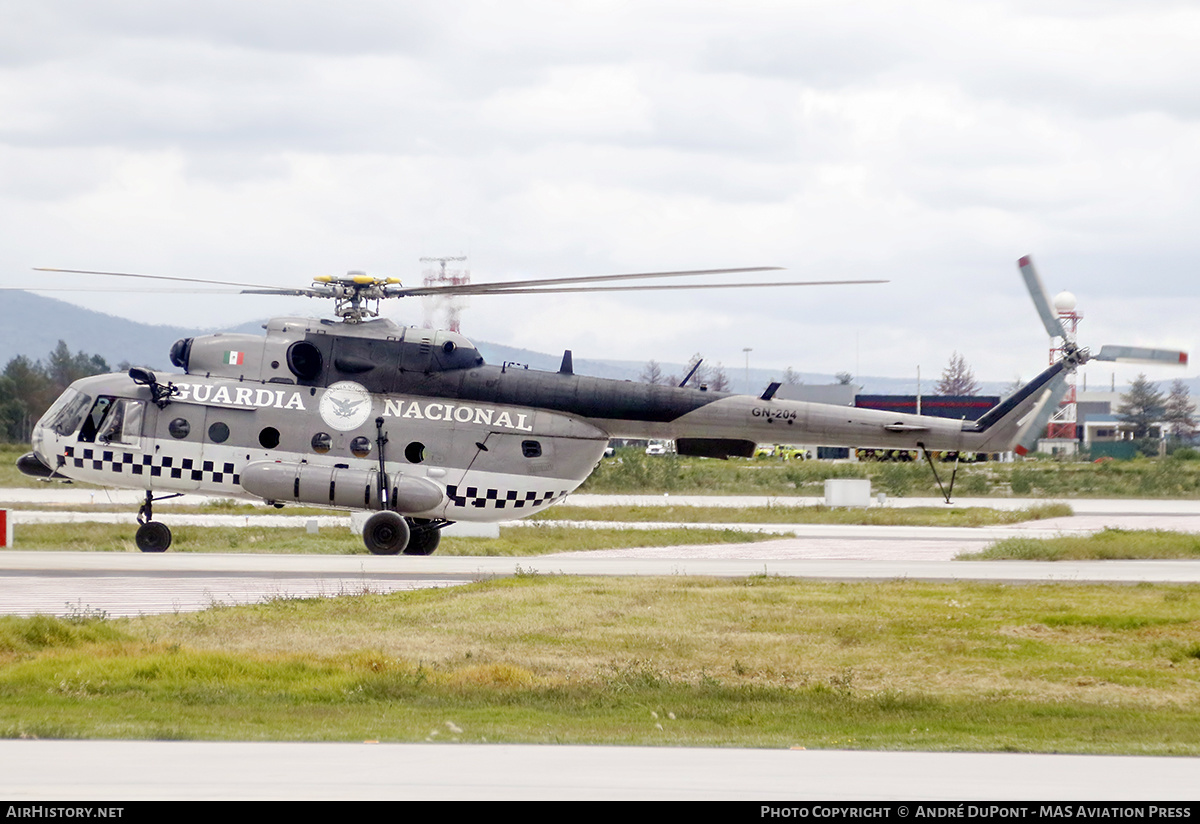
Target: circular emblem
345 406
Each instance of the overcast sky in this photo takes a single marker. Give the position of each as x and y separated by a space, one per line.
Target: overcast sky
930 143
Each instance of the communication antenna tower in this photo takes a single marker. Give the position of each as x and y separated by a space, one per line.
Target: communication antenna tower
1063 423
442 311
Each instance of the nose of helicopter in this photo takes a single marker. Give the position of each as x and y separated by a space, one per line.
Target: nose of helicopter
35 464
31 464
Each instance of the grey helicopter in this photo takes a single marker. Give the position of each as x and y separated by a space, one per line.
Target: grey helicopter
412 425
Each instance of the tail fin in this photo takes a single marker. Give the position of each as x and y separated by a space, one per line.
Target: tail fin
1009 423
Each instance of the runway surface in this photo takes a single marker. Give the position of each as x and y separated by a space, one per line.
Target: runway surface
133 770
121 584
132 583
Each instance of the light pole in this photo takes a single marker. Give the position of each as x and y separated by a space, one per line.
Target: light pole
748 350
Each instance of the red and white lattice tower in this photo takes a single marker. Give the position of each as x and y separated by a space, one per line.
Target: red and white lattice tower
442 311
1063 423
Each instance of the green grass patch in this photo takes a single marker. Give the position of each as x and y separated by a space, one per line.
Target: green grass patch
881 516
533 539
543 538
632 472
1106 545
760 662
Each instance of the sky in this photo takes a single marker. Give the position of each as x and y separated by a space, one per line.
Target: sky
930 143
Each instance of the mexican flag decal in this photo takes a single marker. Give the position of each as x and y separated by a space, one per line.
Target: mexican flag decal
235 358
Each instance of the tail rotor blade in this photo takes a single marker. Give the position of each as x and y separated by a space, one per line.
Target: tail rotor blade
1041 299
1137 354
1033 428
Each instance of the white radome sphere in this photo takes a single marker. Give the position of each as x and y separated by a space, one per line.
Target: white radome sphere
1064 302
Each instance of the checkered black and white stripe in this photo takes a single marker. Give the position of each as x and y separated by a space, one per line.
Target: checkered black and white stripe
499 499
156 466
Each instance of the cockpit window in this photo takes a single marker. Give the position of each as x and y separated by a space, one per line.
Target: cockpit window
67 412
114 421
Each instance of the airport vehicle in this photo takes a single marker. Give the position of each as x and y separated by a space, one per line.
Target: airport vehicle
782 451
412 425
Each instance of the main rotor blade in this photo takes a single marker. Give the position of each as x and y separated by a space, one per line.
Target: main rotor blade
548 290
1041 299
1137 354
144 290
1033 428
481 288
154 277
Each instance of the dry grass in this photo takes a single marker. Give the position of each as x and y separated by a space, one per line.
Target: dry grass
810 514
1041 642
688 662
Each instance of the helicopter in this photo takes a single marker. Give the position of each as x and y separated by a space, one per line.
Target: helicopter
412 425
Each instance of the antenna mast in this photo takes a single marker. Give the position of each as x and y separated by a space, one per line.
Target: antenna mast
447 306
1063 423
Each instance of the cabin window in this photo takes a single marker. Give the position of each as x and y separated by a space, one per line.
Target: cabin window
322 443
124 423
531 449
415 452
269 437
360 447
218 432
179 428
95 419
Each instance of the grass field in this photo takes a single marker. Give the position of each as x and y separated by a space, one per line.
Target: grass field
537 539
632 472
1106 545
759 662
877 516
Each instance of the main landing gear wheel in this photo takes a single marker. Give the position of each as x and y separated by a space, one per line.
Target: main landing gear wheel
385 533
153 536
423 540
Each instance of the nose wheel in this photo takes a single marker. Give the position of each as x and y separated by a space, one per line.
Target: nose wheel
151 536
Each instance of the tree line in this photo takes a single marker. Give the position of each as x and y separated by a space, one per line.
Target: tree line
713 377
29 387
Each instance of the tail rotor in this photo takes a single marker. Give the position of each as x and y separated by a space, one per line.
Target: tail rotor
1073 357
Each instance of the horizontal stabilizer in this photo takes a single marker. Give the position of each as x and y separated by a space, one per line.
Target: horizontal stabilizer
906 427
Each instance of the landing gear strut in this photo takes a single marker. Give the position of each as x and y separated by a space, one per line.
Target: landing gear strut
953 473
152 536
